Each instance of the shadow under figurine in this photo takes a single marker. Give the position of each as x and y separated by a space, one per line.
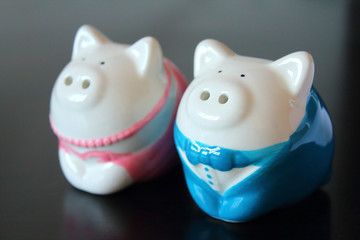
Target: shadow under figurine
113 110
253 135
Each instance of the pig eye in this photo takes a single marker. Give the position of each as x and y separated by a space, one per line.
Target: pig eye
68 81
205 95
223 98
85 84
242 75
219 71
102 63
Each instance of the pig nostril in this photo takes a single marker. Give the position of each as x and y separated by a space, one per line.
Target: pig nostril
68 81
205 95
85 84
223 98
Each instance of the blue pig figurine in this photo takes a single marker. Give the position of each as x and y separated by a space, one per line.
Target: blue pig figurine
253 135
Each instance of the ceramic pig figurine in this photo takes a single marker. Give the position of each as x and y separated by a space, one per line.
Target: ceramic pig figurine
253 135
113 110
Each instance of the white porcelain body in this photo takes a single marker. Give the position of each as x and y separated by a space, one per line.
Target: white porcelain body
105 89
252 134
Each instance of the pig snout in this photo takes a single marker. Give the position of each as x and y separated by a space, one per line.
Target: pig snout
79 86
217 102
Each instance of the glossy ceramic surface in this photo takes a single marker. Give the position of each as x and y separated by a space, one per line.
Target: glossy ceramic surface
253 135
113 109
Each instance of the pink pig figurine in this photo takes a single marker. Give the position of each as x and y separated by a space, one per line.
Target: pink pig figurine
113 109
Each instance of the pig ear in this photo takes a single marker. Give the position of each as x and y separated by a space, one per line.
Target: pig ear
209 54
147 56
298 71
87 37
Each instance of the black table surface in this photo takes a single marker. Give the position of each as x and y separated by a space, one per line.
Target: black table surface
36 202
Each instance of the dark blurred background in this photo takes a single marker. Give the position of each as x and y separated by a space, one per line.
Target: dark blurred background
36 40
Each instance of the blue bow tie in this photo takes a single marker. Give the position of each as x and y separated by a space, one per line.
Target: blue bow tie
224 159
